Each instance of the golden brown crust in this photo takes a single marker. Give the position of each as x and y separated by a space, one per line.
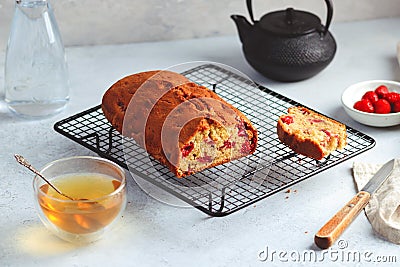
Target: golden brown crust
161 104
116 99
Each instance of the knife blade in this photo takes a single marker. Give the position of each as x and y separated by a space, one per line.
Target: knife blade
330 232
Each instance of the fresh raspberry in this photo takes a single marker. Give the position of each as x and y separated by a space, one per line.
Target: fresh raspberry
396 106
364 105
382 106
371 96
381 91
392 97
287 119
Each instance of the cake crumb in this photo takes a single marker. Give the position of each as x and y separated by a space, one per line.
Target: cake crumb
288 191
306 232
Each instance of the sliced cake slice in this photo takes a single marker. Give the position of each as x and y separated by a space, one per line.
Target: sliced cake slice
311 134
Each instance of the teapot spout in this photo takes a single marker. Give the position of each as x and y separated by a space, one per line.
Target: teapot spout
244 27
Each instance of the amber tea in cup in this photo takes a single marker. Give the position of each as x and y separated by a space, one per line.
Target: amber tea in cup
98 189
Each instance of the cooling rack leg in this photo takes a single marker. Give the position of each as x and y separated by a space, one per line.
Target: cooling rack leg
214 87
322 162
222 204
110 140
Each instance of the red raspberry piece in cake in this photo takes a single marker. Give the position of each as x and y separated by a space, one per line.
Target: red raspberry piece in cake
304 111
315 121
187 149
242 129
245 147
205 159
242 132
287 119
228 144
328 133
209 141
252 144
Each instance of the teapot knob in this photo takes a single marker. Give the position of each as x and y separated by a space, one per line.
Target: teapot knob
289 16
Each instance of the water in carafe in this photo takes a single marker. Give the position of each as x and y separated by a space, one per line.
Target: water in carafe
36 74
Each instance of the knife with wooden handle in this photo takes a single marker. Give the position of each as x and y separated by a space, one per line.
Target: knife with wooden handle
330 232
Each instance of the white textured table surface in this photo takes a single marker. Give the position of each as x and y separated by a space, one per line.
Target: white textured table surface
154 234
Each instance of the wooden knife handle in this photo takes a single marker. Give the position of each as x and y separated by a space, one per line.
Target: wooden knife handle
330 232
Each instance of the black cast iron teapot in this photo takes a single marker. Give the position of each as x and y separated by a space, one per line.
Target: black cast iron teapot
287 45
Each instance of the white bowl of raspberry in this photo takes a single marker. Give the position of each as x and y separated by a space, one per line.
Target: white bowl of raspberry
374 103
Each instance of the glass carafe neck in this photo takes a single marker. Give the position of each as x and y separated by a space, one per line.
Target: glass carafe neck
28 1
33 9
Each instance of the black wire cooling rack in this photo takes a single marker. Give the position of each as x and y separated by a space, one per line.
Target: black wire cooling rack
223 189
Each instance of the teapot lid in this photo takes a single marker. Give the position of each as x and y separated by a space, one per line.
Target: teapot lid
290 22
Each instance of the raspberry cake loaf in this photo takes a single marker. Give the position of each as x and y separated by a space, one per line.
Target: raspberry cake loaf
183 125
310 134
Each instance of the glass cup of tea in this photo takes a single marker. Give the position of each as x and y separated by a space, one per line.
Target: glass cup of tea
98 189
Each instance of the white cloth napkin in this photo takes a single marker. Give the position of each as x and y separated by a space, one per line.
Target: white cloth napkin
383 210
398 52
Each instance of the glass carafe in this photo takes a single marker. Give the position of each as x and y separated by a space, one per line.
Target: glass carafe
36 74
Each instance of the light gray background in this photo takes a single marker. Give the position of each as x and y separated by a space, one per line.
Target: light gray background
90 22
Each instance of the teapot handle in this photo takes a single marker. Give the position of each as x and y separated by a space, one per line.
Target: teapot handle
329 15
250 9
